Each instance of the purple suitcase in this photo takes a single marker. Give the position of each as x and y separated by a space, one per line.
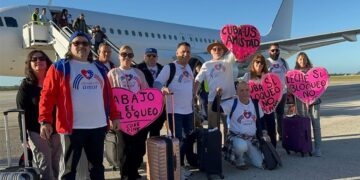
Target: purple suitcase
296 134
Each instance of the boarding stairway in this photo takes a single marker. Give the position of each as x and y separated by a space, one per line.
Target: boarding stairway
50 36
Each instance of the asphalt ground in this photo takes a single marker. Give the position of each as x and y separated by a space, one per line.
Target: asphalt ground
340 123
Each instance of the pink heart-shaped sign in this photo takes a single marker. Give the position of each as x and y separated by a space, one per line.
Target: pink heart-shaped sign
268 91
243 41
138 110
310 86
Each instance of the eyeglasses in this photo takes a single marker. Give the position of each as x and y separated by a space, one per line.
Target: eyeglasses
151 55
217 49
41 58
259 62
129 55
274 50
83 43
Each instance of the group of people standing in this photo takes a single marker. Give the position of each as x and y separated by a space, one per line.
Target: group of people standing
69 105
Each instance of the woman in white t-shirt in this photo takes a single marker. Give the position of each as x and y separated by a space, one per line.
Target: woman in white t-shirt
132 148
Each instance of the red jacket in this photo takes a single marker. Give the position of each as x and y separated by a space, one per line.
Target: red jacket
56 91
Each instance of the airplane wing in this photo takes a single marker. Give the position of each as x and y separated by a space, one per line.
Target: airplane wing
300 44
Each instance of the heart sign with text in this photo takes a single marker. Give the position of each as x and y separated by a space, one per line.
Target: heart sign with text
310 86
268 91
138 110
243 41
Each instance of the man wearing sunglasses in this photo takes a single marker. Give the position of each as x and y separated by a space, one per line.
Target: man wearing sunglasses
82 95
279 66
151 70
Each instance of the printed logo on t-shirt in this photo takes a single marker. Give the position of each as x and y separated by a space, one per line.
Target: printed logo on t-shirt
153 72
276 68
129 81
87 80
185 77
218 68
245 117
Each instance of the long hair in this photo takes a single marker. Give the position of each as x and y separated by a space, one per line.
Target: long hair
29 72
261 58
308 62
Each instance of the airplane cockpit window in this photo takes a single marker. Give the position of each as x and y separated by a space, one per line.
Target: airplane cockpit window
175 37
133 33
111 30
10 22
146 34
1 22
140 34
119 31
126 32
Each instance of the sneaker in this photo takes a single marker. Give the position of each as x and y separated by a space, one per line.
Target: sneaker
317 153
185 172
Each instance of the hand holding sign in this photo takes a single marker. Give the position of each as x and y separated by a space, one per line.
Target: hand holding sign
138 110
268 92
310 86
243 41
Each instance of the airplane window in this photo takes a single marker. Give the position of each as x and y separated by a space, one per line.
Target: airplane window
152 35
140 34
170 37
190 38
196 39
127 32
146 34
119 31
10 22
183 38
133 33
111 30
164 36
1 22
159 36
200 39
205 40
103 29
175 37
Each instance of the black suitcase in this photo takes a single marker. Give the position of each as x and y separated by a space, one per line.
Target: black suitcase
17 172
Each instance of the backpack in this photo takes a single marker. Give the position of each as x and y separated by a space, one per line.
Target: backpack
172 73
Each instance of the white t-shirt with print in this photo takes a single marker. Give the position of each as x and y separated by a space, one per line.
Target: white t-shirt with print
181 86
127 79
279 68
153 70
87 85
218 73
243 119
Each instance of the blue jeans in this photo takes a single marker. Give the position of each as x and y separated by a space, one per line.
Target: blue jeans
183 123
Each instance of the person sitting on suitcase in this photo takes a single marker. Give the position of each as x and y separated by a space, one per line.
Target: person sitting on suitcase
243 132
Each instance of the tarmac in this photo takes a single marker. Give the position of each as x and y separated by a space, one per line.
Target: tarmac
340 127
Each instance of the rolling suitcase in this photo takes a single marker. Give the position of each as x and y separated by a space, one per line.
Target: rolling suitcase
297 134
163 154
17 172
209 148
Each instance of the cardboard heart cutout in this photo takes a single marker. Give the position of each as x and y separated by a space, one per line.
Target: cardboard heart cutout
243 41
310 86
138 110
268 91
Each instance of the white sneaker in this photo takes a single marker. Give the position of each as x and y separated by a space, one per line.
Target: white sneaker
185 172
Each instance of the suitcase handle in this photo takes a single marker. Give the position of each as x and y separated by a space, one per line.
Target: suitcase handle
7 136
172 115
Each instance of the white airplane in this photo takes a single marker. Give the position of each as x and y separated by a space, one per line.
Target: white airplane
17 39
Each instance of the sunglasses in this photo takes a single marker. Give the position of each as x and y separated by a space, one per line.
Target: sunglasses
259 62
83 43
151 55
41 58
217 49
129 55
275 50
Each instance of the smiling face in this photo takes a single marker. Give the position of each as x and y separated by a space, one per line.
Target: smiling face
104 54
302 61
217 52
243 91
126 56
183 54
80 48
38 62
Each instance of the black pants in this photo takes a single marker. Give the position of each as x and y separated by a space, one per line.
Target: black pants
92 140
270 127
279 112
155 128
133 152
